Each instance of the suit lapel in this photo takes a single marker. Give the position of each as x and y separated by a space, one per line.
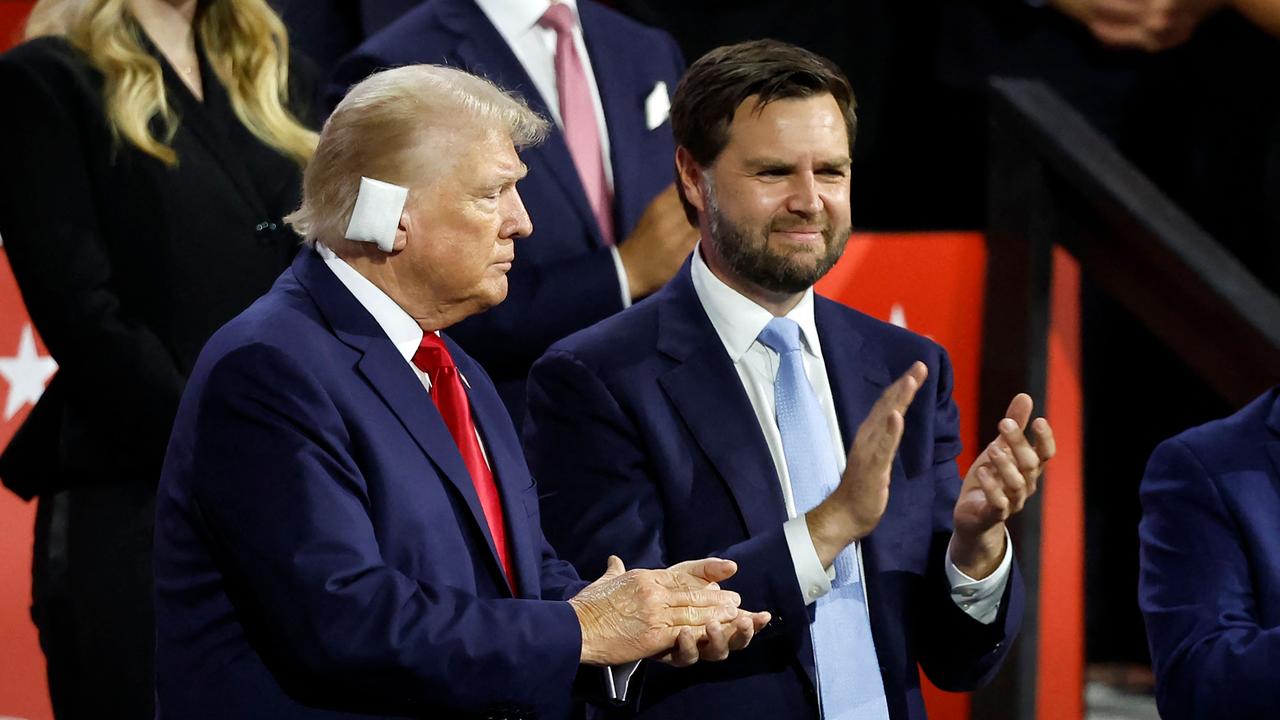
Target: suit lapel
386 371
856 378
705 390
509 470
197 121
482 50
1273 423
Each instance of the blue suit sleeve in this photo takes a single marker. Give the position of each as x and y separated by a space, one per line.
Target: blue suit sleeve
283 503
1213 656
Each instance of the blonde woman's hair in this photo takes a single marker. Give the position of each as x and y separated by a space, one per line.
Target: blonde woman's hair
246 45
395 126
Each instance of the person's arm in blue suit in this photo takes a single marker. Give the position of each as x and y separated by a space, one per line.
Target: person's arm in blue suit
1214 655
282 500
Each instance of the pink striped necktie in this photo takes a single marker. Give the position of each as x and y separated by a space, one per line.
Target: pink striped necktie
581 132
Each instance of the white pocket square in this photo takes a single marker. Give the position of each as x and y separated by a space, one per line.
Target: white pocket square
657 107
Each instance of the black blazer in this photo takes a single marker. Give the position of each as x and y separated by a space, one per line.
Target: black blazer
126 266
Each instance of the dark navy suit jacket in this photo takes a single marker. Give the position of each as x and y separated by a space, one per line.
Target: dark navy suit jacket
646 445
326 30
320 549
1209 586
564 278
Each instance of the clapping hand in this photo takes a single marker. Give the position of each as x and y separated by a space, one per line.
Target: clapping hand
719 638
678 615
998 485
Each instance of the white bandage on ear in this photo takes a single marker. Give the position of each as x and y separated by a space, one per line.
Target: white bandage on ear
377 213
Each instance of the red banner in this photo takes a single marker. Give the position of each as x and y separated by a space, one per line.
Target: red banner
25 369
932 284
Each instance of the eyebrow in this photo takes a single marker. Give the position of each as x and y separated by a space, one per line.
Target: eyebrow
765 164
516 174
505 177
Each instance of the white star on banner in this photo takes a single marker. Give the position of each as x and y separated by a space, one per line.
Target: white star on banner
27 373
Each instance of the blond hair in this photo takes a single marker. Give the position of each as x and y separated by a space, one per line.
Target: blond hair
245 42
395 126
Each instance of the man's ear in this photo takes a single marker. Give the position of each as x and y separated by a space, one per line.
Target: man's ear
403 229
689 175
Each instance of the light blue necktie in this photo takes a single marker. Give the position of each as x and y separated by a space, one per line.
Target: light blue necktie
849 680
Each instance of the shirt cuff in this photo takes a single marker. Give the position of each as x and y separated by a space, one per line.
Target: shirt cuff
622 276
617 678
980 599
815 580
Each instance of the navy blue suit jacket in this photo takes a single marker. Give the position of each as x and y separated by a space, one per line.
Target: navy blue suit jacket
326 30
320 549
1209 586
564 277
647 446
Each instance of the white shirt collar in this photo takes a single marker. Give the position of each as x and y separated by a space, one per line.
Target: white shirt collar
514 18
739 320
403 331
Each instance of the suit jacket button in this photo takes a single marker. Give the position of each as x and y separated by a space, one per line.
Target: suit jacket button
265 231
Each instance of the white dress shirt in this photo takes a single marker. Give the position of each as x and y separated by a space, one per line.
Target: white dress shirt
535 47
738 321
403 331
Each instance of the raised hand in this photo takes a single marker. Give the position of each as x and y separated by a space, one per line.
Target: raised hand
858 503
628 615
998 485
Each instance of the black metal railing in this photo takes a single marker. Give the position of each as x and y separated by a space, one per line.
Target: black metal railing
1054 180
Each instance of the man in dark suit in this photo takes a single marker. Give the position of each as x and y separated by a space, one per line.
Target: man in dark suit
609 225
1209 586
345 524
715 416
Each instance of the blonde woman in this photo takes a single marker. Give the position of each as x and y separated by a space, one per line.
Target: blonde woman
149 151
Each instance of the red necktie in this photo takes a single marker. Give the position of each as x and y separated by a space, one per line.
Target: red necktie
450 397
